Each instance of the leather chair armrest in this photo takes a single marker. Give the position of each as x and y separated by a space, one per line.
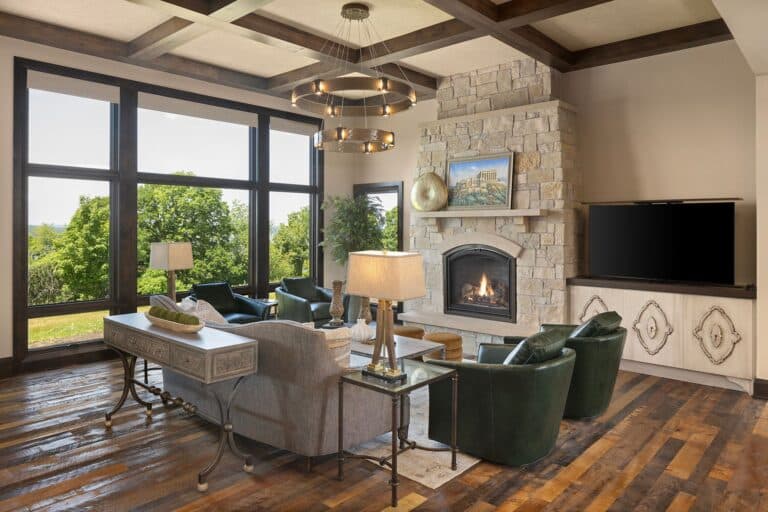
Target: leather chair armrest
565 328
323 294
292 307
513 340
251 306
493 353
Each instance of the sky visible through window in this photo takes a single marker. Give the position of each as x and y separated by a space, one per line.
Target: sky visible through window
68 130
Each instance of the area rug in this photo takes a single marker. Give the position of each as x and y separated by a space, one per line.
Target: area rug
431 469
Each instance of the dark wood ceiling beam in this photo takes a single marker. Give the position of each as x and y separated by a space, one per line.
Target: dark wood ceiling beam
284 82
420 41
518 13
484 15
305 43
73 40
177 31
653 44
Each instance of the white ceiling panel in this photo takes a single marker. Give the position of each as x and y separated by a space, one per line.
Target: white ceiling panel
462 57
390 18
240 54
624 19
116 19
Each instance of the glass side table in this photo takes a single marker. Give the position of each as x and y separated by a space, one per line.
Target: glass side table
418 375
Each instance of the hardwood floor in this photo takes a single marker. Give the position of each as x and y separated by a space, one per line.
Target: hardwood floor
662 445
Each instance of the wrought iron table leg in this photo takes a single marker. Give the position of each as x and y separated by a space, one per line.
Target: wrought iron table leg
124 395
146 372
132 386
341 430
226 437
394 481
454 412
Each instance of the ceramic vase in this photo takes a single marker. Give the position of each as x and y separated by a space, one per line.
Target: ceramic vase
365 310
361 332
337 304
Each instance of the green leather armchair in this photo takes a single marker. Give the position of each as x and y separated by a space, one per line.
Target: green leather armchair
594 376
298 299
508 414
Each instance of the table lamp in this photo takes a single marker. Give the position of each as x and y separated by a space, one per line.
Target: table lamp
170 256
389 276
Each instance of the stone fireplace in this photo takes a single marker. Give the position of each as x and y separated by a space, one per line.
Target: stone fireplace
480 281
526 252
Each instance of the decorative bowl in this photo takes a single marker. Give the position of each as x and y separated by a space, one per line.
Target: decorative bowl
173 326
429 193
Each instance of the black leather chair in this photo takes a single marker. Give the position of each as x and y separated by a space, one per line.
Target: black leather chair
301 301
598 354
235 308
508 414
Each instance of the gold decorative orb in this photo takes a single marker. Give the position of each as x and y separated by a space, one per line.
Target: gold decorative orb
429 193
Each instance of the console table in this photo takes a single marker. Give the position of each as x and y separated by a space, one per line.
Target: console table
216 358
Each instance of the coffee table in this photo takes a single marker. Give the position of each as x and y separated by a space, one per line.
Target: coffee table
405 348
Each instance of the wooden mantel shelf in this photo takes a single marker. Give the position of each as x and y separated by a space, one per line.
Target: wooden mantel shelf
452 214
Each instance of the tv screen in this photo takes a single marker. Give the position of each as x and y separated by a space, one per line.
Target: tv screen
686 242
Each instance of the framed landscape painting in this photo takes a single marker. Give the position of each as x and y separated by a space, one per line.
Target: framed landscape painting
480 182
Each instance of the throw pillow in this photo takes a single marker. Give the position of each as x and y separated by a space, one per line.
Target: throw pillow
208 313
338 341
537 348
166 302
598 325
300 286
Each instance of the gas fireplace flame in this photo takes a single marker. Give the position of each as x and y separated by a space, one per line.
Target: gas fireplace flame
485 289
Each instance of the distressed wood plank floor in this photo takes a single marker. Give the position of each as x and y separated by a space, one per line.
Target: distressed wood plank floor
662 445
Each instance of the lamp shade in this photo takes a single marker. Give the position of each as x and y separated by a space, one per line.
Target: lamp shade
170 255
386 275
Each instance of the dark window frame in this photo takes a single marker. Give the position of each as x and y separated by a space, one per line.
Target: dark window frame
385 187
124 179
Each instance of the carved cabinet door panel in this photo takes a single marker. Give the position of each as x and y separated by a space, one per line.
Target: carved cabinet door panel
654 327
587 301
719 336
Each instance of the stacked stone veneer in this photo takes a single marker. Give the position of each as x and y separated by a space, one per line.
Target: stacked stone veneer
512 84
542 138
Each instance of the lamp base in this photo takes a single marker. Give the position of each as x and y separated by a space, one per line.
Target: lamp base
384 373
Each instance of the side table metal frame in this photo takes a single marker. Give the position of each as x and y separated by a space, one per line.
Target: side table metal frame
398 434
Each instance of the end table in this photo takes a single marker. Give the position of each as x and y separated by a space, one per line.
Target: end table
418 375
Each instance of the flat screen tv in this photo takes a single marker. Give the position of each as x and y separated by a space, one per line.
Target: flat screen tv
683 242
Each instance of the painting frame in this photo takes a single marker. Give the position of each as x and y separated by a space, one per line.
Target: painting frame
456 170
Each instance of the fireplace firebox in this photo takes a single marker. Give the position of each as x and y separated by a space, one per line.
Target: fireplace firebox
480 281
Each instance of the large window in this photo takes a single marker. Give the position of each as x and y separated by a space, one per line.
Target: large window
106 166
389 196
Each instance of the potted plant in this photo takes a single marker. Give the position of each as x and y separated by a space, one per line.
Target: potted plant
356 225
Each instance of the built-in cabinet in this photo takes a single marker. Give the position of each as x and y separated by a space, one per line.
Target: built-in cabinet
701 333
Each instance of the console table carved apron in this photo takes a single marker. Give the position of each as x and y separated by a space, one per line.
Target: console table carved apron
418 375
216 358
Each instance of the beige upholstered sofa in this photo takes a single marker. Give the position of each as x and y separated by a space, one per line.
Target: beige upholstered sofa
292 402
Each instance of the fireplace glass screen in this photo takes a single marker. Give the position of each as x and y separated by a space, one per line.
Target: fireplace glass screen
480 282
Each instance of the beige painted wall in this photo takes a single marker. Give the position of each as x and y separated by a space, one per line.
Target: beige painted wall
12 47
761 119
679 125
343 170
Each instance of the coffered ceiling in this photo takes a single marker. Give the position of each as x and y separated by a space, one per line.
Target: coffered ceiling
274 45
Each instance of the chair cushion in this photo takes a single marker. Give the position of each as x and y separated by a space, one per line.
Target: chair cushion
537 348
241 318
218 295
598 325
320 310
301 287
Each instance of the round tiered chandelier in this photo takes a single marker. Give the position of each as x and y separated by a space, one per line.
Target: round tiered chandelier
355 96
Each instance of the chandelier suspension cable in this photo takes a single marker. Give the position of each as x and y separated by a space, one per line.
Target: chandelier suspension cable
386 50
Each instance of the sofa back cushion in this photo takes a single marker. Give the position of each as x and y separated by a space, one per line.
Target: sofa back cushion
537 348
301 287
598 325
219 295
